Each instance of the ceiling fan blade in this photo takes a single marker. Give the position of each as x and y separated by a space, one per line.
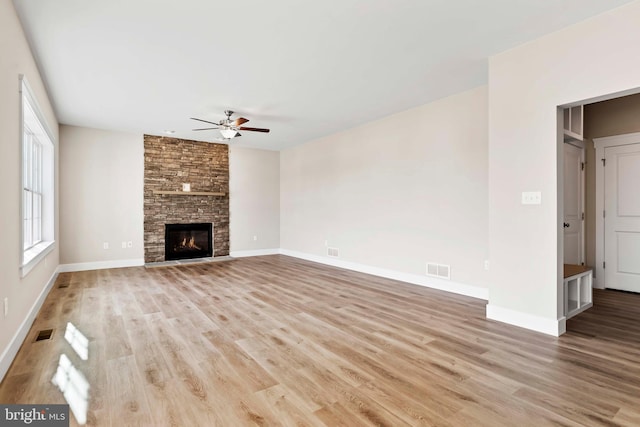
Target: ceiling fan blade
255 129
206 129
206 121
240 121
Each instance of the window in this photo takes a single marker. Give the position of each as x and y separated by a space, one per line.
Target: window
32 191
37 183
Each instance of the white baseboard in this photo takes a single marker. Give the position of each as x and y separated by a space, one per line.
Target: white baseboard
18 338
255 252
100 265
562 325
429 282
529 321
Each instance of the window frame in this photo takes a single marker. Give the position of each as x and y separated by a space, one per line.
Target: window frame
32 189
36 143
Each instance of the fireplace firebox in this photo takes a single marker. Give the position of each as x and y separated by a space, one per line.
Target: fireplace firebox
184 241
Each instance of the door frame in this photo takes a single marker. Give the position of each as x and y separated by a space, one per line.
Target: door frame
600 144
582 146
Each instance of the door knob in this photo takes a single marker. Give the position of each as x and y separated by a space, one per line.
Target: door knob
566 225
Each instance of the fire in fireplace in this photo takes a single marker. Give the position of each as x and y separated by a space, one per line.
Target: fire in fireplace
184 241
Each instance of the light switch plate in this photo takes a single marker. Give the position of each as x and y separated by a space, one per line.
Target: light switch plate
531 197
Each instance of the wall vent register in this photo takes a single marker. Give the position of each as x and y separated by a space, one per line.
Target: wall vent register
441 271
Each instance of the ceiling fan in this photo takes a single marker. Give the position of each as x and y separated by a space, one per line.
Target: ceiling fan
229 128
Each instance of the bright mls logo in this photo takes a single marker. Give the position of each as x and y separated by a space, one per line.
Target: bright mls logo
34 415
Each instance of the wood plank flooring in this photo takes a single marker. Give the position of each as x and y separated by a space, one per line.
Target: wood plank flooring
275 340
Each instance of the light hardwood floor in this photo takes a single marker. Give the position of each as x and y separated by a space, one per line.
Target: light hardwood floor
275 340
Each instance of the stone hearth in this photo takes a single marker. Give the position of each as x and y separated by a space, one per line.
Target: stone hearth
171 162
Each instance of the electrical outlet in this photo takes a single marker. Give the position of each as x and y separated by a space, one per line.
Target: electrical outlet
6 307
486 265
255 238
124 245
105 245
129 244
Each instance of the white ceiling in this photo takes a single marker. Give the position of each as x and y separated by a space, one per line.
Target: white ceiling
305 69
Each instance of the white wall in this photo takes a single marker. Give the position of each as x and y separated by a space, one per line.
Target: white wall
16 59
526 84
254 203
101 196
395 193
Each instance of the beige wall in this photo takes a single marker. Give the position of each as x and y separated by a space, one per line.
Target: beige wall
16 59
614 117
254 189
101 195
395 193
526 85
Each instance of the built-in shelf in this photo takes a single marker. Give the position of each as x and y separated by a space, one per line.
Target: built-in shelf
188 193
577 289
574 123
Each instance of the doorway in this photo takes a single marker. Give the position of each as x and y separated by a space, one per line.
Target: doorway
573 224
618 197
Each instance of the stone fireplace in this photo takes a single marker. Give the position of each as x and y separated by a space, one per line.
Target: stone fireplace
168 164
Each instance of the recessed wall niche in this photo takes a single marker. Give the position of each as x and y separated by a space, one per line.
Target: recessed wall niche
168 164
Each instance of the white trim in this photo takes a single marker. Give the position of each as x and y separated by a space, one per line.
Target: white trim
33 256
36 107
255 252
615 140
29 258
576 143
6 359
562 326
526 320
600 144
100 265
583 207
429 282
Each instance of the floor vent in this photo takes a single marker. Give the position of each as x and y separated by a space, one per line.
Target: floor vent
334 252
441 271
63 285
44 335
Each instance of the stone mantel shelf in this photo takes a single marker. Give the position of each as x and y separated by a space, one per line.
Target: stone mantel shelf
188 193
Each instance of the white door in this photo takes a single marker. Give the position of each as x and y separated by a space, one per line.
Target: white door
622 217
573 205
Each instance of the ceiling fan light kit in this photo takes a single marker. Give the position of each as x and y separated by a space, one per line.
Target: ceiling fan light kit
228 133
229 128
